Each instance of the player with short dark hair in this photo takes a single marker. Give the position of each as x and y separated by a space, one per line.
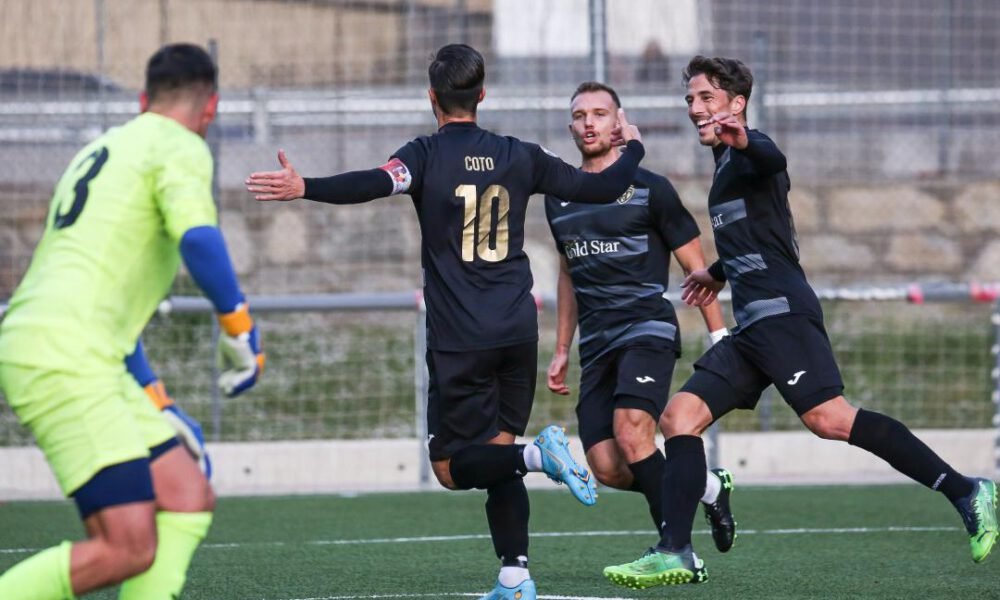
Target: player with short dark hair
779 338
614 265
470 188
132 204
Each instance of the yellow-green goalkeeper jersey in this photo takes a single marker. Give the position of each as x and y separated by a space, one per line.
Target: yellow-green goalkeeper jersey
110 250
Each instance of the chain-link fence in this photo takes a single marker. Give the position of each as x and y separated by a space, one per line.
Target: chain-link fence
886 112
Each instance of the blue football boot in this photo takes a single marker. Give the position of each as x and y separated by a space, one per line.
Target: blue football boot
522 591
559 465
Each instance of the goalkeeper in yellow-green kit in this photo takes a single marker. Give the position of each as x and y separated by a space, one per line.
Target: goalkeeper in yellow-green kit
132 205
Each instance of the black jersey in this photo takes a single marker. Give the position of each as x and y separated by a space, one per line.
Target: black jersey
470 188
755 234
619 257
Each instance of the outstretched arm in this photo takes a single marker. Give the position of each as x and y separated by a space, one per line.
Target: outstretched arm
353 187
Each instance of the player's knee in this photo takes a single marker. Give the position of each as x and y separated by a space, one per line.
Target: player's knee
613 477
608 470
831 420
141 559
686 414
208 500
442 472
635 444
122 560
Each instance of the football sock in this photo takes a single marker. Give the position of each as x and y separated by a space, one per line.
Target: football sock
485 465
178 536
532 456
514 576
683 484
891 441
507 511
44 576
713 485
647 479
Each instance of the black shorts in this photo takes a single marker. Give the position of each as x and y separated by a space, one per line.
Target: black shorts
473 396
793 352
635 376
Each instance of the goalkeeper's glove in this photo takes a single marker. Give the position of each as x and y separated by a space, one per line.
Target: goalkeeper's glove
188 430
239 356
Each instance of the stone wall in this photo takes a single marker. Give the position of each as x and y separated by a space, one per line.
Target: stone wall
891 233
847 235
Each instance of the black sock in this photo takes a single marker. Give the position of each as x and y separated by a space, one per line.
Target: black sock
647 479
683 487
485 465
891 441
507 511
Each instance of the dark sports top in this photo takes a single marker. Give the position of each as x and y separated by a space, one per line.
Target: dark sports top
470 188
619 258
755 233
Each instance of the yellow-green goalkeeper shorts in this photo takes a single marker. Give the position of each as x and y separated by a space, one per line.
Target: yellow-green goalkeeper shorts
84 423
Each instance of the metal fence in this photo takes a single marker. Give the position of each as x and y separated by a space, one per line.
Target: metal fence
886 111
341 366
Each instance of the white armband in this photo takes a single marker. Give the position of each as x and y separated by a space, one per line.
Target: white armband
400 175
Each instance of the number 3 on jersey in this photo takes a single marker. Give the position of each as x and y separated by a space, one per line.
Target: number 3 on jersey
480 226
81 189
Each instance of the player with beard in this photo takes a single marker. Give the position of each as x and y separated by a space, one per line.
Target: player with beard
614 263
779 338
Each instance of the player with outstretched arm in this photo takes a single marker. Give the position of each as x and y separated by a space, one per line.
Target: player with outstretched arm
779 339
614 264
470 188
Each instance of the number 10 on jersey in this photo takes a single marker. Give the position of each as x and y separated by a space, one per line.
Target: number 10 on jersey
481 225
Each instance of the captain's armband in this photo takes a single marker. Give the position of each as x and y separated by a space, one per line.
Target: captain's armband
400 175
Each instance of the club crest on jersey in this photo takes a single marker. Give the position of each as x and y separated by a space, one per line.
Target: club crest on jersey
627 195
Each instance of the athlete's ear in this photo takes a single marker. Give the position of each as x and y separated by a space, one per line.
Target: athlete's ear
211 109
143 101
482 95
737 106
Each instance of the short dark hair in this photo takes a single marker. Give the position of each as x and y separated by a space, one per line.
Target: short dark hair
595 86
180 68
457 75
728 74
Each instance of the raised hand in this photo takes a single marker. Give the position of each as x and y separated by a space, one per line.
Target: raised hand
729 130
282 185
624 131
700 288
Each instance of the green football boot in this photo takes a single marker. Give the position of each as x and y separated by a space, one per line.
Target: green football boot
719 514
659 568
979 512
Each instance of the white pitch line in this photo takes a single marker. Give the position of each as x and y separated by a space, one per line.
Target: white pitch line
452 594
549 534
